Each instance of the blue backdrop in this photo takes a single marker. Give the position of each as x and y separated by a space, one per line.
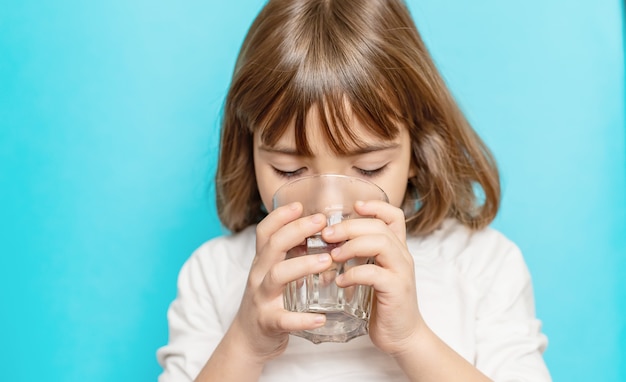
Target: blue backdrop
109 117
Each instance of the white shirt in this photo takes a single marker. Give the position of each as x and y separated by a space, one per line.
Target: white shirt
473 288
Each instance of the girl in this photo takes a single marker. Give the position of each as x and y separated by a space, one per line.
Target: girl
348 87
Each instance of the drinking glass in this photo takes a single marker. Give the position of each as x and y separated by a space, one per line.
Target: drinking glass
348 309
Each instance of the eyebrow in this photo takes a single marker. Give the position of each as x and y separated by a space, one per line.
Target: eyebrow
358 151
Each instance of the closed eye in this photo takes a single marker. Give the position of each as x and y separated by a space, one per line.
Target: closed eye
371 173
289 174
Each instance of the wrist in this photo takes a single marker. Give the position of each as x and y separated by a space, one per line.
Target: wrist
413 344
233 359
256 347
427 358
243 343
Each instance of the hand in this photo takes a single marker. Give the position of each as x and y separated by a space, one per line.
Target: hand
395 319
262 319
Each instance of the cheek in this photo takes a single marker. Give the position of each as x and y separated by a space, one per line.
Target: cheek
264 187
266 192
267 185
395 199
395 184
395 192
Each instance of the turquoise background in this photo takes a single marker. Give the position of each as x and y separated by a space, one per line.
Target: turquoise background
109 117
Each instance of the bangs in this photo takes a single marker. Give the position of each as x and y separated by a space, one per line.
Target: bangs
336 112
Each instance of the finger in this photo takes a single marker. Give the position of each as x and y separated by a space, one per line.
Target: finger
387 251
392 216
275 220
382 280
293 269
353 228
287 237
285 321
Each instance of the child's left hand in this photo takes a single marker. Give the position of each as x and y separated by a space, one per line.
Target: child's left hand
396 320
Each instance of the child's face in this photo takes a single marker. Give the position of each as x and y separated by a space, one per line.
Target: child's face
385 163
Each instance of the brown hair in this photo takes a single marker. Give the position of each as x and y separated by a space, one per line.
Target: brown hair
360 57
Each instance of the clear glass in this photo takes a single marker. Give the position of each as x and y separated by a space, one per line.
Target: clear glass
347 309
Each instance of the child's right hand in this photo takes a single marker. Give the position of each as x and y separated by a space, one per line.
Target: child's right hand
262 320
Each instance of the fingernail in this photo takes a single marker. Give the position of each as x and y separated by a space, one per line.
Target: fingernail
328 231
319 319
359 203
293 206
335 252
323 257
317 218
338 279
